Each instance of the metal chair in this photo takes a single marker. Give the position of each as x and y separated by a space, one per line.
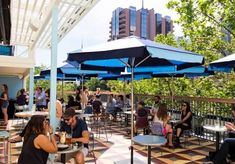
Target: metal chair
92 145
18 108
5 135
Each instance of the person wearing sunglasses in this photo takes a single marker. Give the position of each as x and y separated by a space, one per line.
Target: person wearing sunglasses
79 132
184 123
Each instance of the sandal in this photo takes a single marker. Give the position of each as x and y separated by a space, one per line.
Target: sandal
170 146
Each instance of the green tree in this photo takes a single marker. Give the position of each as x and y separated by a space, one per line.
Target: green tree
205 23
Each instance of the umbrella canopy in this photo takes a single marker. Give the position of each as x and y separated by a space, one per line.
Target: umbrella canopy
225 64
69 70
188 72
132 51
42 77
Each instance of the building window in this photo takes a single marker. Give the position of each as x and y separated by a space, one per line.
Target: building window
158 18
132 20
144 16
168 24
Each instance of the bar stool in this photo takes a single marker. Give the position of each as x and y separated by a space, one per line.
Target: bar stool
5 135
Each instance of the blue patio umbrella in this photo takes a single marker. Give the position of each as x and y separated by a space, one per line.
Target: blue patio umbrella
133 52
70 72
43 77
160 72
225 64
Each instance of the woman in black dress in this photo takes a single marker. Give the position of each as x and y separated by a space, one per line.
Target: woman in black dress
38 142
185 122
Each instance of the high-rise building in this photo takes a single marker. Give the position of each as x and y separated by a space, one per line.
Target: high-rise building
143 23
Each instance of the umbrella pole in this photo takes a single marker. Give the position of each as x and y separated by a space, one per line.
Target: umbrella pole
132 111
83 93
172 96
62 89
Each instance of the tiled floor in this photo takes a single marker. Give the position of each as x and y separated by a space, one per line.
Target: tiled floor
116 150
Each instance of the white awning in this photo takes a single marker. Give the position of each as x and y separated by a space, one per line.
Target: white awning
31 20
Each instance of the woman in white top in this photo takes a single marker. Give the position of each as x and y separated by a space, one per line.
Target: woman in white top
163 118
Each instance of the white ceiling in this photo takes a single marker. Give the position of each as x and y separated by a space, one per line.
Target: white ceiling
31 27
31 19
12 71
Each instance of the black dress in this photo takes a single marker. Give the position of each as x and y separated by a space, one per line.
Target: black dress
30 154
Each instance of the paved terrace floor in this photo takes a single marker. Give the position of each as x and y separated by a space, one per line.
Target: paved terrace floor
116 149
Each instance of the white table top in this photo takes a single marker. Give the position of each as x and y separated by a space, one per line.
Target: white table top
215 128
128 112
85 115
149 140
78 111
126 109
174 120
31 113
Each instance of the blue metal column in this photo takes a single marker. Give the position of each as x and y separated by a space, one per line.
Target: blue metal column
54 40
31 87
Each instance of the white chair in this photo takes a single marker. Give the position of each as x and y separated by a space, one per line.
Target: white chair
20 108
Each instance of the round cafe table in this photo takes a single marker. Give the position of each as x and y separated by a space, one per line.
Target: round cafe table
28 114
70 149
217 129
149 140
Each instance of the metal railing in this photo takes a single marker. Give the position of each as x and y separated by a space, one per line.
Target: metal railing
206 111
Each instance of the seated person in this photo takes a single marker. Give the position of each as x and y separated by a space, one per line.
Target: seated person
141 117
118 107
80 134
72 103
185 122
163 118
127 101
58 108
110 104
227 146
38 141
97 105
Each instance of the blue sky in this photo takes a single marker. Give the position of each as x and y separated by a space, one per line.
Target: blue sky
94 27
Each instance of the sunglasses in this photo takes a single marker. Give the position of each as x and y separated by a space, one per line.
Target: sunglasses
66 119
183 105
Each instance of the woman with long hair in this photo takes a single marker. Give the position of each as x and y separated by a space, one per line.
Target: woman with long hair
4 102
38 142
185 122
164 118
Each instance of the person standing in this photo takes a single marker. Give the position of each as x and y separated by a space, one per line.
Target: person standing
84 97
22 98
40 96
58 108
4 102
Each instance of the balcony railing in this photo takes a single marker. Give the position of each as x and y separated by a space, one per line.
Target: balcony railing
206 111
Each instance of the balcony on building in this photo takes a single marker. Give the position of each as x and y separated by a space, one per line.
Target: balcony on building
122 26
122 31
